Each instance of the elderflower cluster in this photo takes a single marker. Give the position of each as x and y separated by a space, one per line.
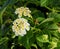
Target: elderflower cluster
23 11
20 26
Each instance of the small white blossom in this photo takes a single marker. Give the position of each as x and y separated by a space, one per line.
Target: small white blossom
19 11
20 26
23 11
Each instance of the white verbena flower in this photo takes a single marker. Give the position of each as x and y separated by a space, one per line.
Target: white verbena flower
20 26
19 11
23 11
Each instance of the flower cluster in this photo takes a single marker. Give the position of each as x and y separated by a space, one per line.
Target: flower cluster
23 11
21 25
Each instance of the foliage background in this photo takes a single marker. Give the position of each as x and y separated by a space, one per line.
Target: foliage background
47 12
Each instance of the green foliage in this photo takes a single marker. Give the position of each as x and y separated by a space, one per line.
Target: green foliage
56 16
44 25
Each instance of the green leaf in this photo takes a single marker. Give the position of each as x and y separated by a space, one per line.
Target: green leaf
47 20
34 45
40 44
25 42
56 16
43 2
54 39
3 40
52 44
58 44
57 48
53 26
4 7
12 46
43 38
4 43
3 10
39 19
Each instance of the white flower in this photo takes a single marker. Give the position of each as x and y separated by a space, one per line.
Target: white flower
23 11
20 26
19 11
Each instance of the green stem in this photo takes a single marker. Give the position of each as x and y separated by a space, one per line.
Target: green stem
36 29
48 8
1 21
26 3
53 10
